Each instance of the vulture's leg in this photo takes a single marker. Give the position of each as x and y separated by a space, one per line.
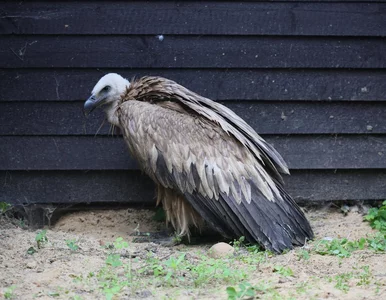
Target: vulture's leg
179 213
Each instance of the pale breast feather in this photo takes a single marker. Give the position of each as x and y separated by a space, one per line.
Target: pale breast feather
190 147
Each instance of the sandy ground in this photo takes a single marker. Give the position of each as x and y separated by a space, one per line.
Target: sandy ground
57 272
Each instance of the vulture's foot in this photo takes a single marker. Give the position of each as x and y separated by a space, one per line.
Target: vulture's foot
163 238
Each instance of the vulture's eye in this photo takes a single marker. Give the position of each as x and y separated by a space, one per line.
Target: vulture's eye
106 88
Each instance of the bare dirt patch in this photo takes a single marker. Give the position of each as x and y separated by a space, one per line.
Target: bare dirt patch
104 267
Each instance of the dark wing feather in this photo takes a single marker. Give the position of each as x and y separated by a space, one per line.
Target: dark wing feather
158 88
214 166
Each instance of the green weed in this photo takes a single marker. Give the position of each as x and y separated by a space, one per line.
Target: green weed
8 294
342 281
244 291
213 271
4 207
31 250
120 243
284 271
364 276
303 254
377 242
262 289
72 245
41 238
339 247
377 217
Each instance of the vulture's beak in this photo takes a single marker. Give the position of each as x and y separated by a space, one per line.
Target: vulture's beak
90 104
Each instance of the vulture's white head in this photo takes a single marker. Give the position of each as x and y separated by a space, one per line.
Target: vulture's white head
107 93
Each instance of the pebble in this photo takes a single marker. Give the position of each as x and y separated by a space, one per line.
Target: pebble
221 250
144 294
31 265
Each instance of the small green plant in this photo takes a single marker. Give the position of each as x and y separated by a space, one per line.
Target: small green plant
4 207
339 247
53 294
237 244
303 254
364 276
302 287
253 258
114 260
109 281
284 271
72 245
31 250
377 242
41 238
212 271
251 248
342 281
377 217
245 291
8 294
266 290
119 243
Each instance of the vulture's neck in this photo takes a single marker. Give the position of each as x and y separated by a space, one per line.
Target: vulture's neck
111 113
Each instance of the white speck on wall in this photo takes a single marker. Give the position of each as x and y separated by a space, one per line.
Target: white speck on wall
364 90
160 37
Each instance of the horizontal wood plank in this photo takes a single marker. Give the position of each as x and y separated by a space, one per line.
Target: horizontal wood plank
72 187
191 52
268 117
195 18
110 153
230 84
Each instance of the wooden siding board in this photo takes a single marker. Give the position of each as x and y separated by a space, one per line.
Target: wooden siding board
228 84
191 52
73 187
269 117
110 153
304 72
211 17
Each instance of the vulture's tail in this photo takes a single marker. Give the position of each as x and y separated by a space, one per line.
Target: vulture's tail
276 225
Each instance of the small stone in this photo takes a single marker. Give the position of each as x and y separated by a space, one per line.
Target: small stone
31 265
354 209
221 250
144 294
369 127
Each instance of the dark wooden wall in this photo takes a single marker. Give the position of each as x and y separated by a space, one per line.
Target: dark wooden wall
308 75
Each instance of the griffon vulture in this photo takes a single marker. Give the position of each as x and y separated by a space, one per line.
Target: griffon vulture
208 163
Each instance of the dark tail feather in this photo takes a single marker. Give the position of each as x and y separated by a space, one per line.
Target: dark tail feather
276 225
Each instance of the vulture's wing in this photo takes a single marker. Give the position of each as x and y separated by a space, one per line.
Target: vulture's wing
220 169
160 89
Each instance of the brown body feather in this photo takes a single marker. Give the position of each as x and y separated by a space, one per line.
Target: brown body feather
209 164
